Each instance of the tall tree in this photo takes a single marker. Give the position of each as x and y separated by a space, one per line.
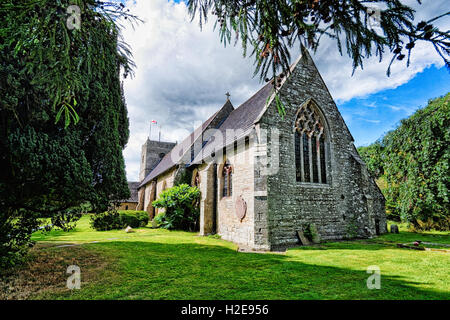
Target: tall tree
414 160
373 157
63 118
417 166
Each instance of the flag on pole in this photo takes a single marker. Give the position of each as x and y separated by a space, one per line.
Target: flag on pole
152 122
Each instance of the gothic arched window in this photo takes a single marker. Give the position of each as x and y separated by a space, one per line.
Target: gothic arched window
310 148
227 180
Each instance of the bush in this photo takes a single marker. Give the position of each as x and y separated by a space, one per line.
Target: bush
134 219
113 220
181 204
159 219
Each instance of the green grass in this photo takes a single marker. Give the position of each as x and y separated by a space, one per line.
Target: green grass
162 264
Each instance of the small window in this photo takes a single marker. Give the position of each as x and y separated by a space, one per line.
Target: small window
196 180
227 180
126 207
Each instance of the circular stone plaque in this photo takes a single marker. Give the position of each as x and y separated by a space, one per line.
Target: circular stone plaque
241 208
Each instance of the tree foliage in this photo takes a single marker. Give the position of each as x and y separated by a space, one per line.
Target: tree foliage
48 73
181 204
272 27
416 162
373 157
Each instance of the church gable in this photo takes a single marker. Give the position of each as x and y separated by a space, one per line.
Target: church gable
303 83
316 180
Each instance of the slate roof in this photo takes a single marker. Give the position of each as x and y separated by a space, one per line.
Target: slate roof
242 119
133 187
175 155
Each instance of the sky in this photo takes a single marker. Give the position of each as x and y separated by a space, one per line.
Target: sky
183 72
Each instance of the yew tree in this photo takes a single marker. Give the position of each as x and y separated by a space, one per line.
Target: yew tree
63 118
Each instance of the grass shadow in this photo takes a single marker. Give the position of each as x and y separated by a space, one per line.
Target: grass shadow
152 270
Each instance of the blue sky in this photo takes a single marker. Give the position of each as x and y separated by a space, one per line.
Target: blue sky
370 117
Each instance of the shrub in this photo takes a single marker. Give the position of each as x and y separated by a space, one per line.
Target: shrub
159 219
113 220
181 204
134 219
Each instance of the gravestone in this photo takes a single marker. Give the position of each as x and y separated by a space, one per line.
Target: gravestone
315 234
304 241
394 228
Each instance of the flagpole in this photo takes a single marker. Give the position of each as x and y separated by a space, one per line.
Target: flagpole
150 137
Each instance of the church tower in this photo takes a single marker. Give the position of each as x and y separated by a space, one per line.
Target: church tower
151 154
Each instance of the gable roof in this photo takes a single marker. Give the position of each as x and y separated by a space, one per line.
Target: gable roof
180 152
133 187
242 118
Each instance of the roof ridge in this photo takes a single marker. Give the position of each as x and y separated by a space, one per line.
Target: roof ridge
192 138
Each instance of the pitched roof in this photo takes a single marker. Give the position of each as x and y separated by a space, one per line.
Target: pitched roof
133 187
242 119
181 152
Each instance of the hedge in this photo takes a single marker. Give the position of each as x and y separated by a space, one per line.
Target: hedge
113 220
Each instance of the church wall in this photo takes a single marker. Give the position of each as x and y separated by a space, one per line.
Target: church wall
229 226
147 193
127 206
165 181
260 159
206 186
350 197
151 154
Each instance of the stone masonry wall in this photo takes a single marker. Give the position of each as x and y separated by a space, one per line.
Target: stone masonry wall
164 180
349 201
152 152
228 224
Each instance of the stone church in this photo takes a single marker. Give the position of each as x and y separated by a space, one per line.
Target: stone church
264 177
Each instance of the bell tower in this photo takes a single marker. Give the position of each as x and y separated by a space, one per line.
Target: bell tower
151 154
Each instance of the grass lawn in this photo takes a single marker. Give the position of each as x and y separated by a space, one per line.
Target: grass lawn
161 264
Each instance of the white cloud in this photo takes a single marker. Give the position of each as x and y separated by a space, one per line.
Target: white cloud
370 120
336 69
183 73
